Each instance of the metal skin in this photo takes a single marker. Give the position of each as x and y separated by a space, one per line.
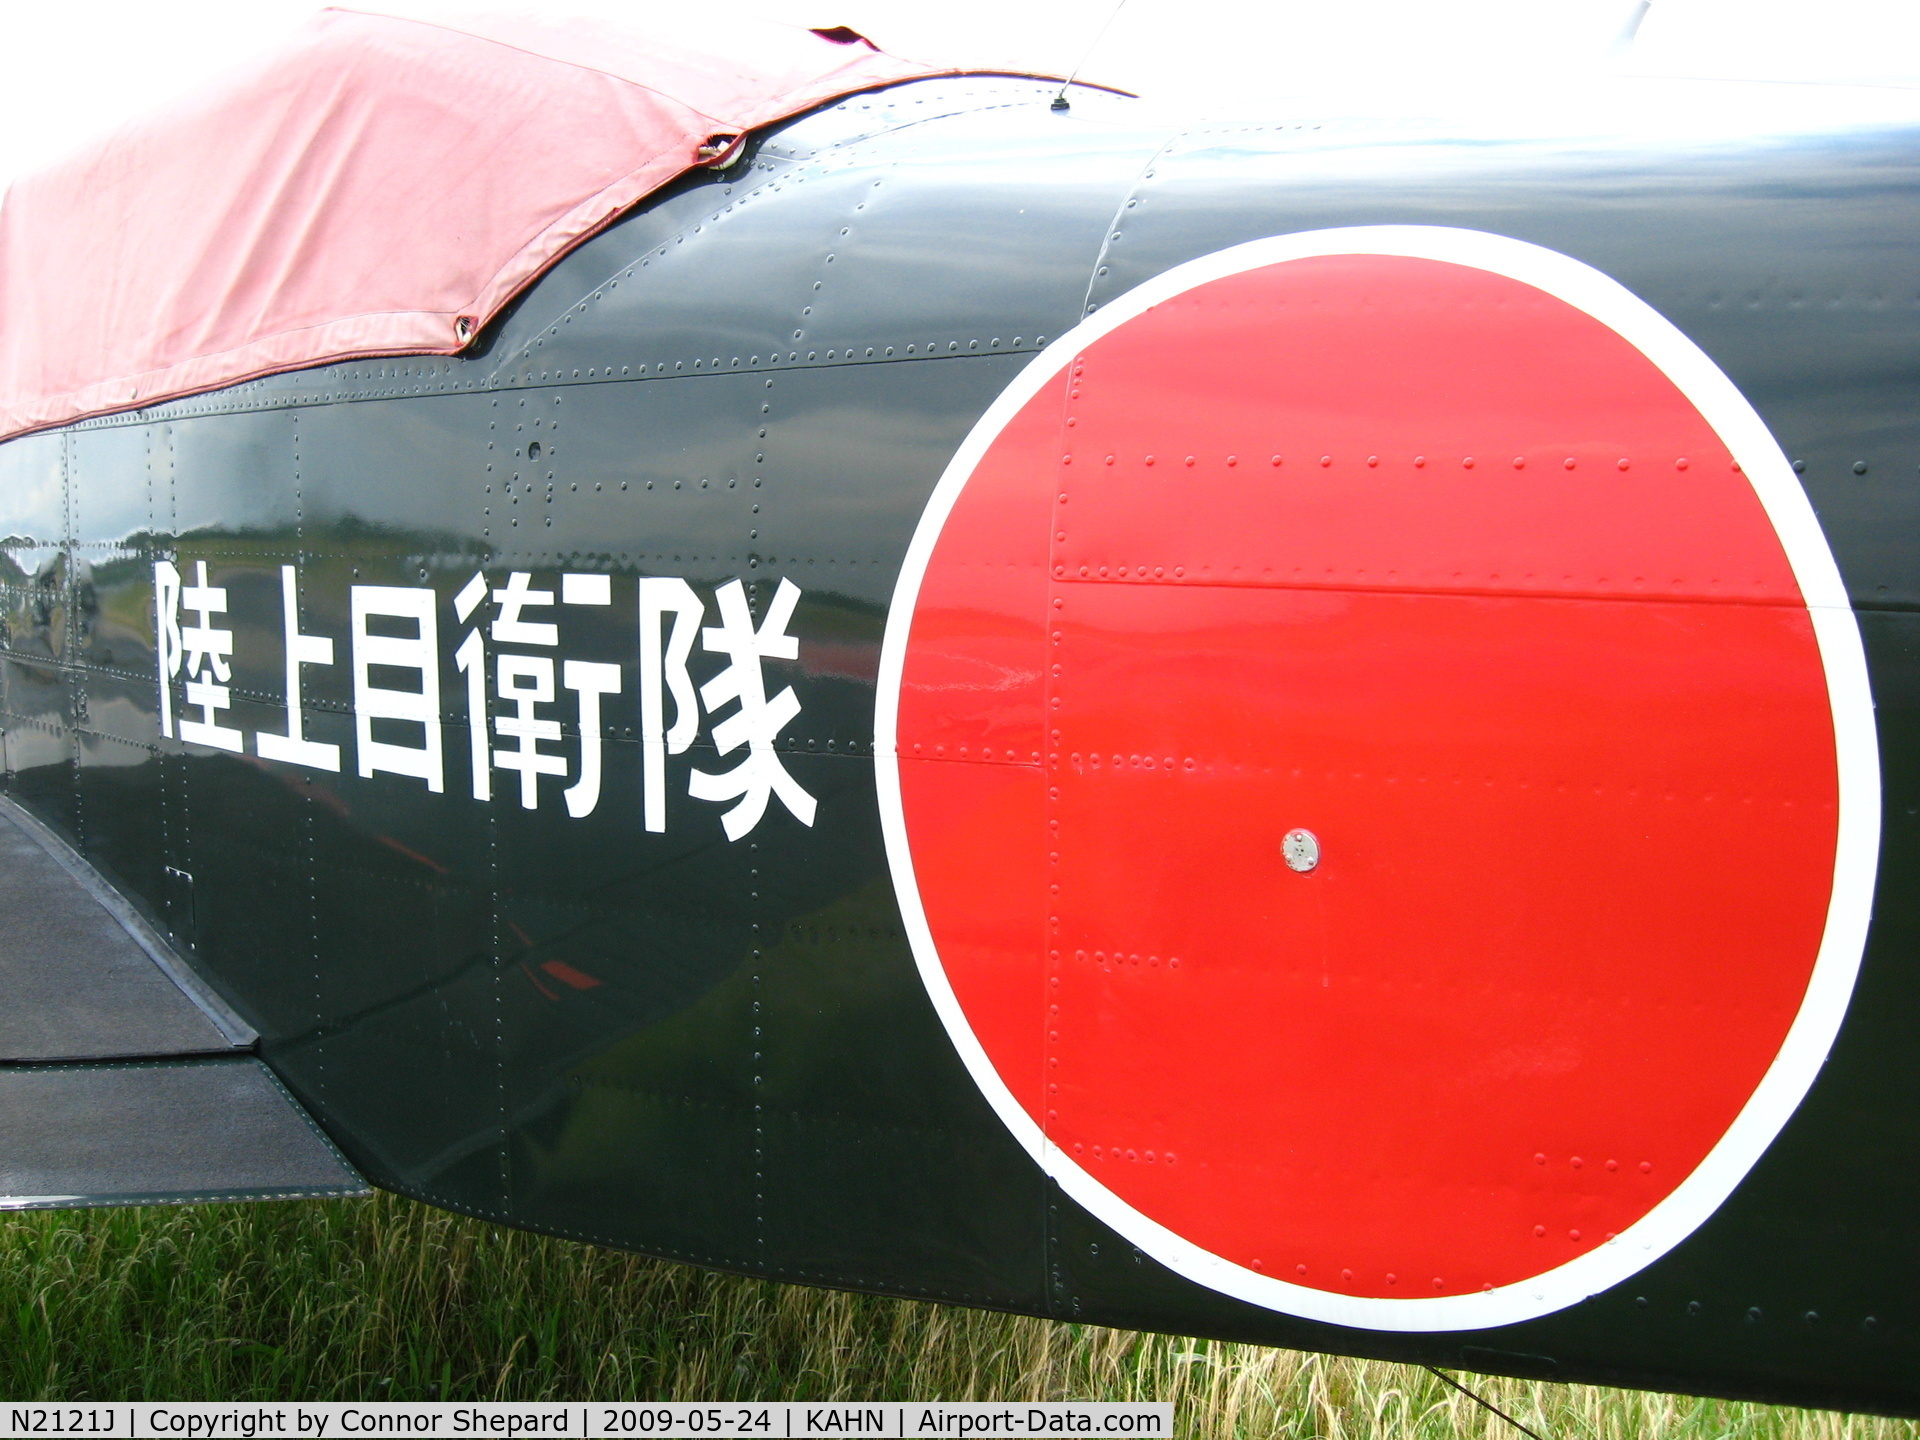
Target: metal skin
722 1051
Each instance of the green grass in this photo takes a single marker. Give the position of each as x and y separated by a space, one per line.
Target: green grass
383 1298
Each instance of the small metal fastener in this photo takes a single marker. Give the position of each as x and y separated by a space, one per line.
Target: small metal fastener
1301 850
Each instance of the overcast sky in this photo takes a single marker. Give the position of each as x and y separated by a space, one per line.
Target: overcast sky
75 69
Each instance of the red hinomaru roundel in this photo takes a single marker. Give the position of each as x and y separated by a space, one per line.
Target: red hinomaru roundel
1450 551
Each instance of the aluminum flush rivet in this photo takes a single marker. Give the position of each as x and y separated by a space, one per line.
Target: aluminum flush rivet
1301 850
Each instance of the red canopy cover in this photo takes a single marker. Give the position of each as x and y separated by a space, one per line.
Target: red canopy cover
382 186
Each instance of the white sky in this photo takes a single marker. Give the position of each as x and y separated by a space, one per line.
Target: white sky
71 70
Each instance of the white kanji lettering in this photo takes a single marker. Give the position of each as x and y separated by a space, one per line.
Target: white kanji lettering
661 674
166 636
471 657
419 652
586 590
589 680
509 628
396 687
525 681
293 747
207 647
758 721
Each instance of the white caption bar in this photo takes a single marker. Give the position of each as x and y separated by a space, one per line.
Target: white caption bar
323 1420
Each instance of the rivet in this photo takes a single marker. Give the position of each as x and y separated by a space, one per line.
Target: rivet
1681 463
1233 459
1859 467
1189 459
1109 459
1540 1230
1300 1269
1276 460
1419 462
1149 459
1573 1234
1646 1167
1569 462
1539 1159
1346 1275
1799 467
1625 464
1372 460
1519 462
1326 460
1301 850
1467 463
1577 1162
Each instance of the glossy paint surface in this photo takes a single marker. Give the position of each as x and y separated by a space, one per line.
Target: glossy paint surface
723 1051
1545 717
